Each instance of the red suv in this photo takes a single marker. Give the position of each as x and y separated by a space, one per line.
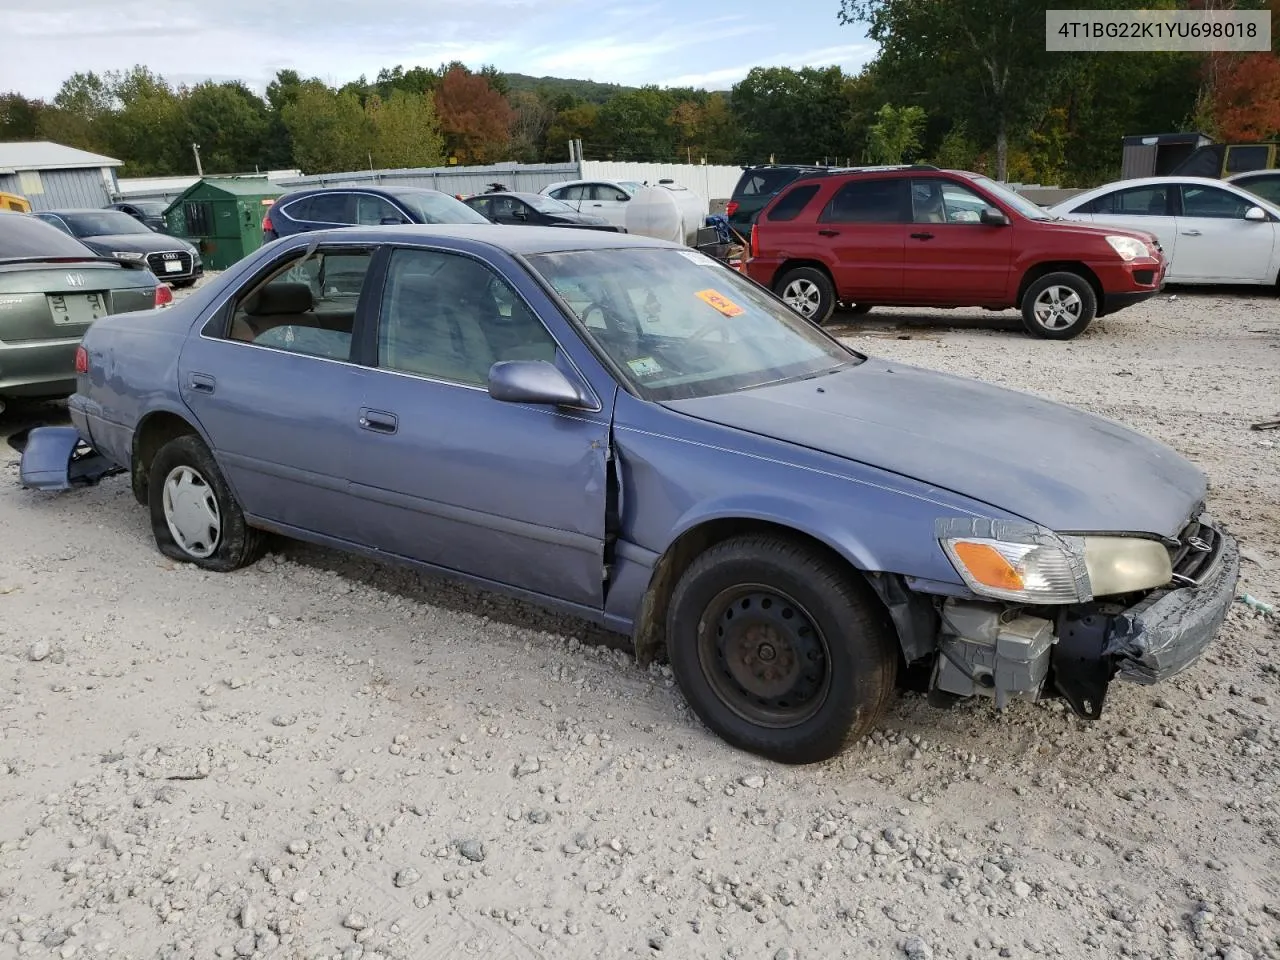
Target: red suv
923 237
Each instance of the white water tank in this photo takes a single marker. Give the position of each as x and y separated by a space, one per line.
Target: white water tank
667 211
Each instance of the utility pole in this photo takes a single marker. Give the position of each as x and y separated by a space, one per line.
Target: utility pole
195 148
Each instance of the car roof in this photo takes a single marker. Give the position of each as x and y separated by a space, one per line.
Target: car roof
63 211
360 188
525 195
1156 182
1270 172
519 240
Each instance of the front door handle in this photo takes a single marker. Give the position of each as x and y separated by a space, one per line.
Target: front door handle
922 236
1191 233
828 233
202 383
379 421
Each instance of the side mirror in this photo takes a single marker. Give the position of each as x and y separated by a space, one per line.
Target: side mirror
533 381
992 217
1256 214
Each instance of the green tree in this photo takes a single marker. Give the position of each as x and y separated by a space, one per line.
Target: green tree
957 151
718 131
79 113
895 136
405 131
147 130
574 121
231 124
19 116
637 126
793 115
532 121
278 147
329 130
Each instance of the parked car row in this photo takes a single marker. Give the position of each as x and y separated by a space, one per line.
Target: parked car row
114 233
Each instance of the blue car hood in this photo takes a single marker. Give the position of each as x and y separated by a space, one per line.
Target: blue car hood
1051 464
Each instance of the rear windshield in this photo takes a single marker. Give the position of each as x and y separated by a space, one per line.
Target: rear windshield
764 183
22 235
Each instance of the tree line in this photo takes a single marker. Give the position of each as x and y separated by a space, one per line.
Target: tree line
955 83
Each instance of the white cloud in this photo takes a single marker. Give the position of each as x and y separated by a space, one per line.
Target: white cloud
849 57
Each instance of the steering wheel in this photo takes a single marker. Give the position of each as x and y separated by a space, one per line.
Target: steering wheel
704 332
598 307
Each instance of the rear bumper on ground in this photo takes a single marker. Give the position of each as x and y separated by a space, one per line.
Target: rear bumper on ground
38 368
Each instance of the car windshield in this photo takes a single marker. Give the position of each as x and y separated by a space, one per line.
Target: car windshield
631 185
1020 203
150 208
102 223
546 204
678 324
439 208
23 237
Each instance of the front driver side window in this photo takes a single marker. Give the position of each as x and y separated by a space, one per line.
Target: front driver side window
449 317
1211 202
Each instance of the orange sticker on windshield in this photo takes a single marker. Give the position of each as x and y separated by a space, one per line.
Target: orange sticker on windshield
720 302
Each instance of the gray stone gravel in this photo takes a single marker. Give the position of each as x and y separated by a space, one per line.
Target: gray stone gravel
154 807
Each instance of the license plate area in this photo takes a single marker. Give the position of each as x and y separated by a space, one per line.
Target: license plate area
173 266
72 309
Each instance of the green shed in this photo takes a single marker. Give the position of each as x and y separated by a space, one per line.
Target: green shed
222 216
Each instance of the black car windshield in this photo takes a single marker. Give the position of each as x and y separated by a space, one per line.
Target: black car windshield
102 223
151 208
546 204
23 237
678 324
1020 203
439 208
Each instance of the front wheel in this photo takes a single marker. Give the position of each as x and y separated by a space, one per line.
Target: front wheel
194 517
809 292
1059 306
780 650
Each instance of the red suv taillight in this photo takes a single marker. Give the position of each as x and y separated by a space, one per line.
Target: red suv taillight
755 240
266 224
731 208
164 296
82 359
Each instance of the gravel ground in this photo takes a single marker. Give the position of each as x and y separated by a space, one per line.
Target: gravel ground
320 757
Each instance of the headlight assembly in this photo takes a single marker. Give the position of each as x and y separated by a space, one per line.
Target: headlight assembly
1128 248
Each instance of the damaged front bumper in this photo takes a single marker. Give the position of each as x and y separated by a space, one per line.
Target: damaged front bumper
1007 652
57 458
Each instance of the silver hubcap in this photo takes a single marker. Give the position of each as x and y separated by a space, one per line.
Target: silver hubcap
803 296
1058 308
191 511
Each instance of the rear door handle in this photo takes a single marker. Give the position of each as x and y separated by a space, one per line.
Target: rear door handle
1191 233
922 236
828 233
379 421
202 383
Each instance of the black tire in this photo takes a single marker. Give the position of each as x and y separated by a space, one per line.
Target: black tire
809 292
235 544
1059 306
794 714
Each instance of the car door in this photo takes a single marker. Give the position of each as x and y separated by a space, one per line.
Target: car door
511 493
863 231
1216 242
950 253
1149 207
270 379
606 200
574 195
509 210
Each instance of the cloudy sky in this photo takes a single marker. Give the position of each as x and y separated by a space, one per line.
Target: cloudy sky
669 42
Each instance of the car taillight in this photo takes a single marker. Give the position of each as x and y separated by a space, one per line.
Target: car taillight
755 241
731 208
164 296
266 224
82 359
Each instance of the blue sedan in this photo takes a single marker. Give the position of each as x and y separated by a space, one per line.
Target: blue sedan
629 431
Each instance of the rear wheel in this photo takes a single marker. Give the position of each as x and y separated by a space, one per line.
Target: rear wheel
194 516
809 292
1059 306
779 650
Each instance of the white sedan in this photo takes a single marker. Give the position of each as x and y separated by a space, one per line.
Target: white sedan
1211 231
600 198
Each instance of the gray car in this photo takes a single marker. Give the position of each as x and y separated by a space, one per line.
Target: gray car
52 288
629 431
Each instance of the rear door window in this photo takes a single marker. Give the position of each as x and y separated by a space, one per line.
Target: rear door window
792 202
869 201
333 207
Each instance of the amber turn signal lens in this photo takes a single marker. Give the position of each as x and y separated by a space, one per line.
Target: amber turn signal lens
987 566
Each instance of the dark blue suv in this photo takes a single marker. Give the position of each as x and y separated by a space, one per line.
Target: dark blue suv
322 208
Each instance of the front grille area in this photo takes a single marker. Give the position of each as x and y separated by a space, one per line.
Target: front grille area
157 261
1195 554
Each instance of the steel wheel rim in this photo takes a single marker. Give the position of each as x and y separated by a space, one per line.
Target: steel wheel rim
764 656
802 296
191 512
1058 307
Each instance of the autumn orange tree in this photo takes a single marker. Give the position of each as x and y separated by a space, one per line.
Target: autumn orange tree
474 117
